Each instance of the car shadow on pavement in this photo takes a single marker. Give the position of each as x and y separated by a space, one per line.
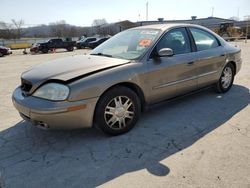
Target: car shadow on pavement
31 157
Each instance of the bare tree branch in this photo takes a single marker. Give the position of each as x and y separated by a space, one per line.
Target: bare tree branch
18 24
6 30
99 22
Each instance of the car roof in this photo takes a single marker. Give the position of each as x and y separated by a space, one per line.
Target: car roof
164 27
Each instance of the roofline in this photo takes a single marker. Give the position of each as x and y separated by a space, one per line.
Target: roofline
186 20
166 26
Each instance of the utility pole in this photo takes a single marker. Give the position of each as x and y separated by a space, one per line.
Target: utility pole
238 15
248 20
212 11
147 11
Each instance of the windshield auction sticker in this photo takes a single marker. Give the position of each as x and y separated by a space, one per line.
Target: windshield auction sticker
145 42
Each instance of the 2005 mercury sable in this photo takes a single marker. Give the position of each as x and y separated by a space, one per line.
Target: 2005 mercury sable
137 67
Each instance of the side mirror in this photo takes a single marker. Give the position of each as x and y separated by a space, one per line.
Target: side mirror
165 52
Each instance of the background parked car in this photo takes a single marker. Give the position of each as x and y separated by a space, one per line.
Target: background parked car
83 43
4 51
96 43
53 44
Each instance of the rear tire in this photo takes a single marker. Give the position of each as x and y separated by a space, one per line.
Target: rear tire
226 80
117 111
45 50
1 55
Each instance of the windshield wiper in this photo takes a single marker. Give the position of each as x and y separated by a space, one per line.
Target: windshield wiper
101 54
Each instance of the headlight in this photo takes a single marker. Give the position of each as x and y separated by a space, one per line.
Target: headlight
52 91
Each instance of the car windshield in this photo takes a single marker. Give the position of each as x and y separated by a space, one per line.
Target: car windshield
84 39
35 44
130 44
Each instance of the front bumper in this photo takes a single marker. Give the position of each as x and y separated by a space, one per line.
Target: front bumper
78 45
81 45
9 52
91 46
55 115
34 50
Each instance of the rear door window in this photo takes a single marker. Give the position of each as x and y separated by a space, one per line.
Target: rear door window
203 39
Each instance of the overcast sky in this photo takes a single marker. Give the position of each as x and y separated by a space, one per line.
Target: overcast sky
82 12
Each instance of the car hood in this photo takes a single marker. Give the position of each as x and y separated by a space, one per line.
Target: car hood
69 68
3 48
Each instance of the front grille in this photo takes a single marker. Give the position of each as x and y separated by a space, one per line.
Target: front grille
26 85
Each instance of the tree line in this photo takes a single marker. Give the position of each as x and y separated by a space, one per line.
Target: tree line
16 30
11 30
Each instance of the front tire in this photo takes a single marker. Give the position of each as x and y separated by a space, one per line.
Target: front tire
226 80
70 49
117 111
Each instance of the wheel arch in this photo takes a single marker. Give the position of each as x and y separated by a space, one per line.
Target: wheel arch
234 65
134 87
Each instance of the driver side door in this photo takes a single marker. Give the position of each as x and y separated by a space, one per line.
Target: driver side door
173 75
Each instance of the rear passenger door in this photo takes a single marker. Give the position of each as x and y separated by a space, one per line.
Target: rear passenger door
58 43
211 56
54 43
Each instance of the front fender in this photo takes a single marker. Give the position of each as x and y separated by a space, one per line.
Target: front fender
96 84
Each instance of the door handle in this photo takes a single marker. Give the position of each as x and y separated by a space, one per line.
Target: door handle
190 63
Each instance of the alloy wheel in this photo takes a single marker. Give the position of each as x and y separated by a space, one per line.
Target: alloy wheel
119 112
226 78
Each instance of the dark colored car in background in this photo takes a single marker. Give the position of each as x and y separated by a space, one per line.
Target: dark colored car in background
83 43
4 51
53 44
96 43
